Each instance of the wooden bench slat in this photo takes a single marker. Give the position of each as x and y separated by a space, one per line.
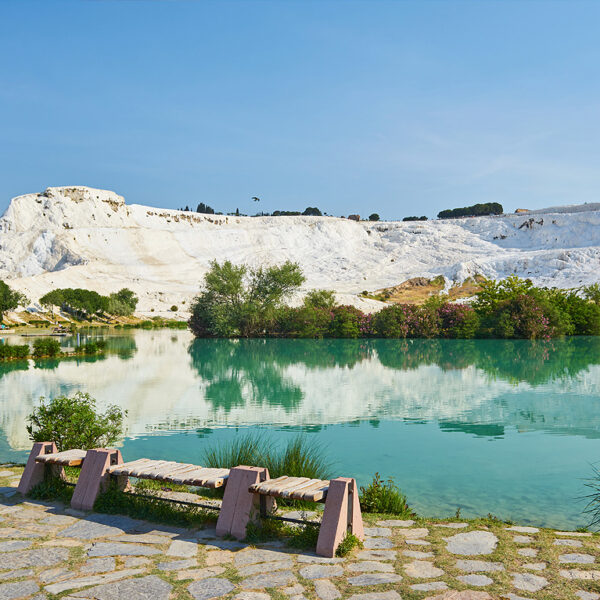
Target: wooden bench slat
309 483
217 479
314 494
123 467
183 477
289 484
67 458
144 471
260 488
173 470
204 475
162 470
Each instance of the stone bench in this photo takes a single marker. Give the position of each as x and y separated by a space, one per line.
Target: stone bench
249 492
45 460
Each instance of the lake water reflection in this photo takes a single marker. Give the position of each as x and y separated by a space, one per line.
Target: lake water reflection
508 427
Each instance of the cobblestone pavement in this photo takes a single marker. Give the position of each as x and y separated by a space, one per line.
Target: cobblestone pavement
49 551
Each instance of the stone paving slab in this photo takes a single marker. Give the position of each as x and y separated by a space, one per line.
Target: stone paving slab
81 582
140 588
118 549
47 549
20 589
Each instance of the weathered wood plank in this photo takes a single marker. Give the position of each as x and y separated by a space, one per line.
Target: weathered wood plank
71 458
316 495
298 489
162 470
122 468
184 477
277 489
263 486
144 471
205 475
218 479
173 470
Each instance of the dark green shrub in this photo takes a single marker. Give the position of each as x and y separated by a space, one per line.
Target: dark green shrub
8 351
89 348
458 321
303 322
174 308
346 322
46 347
395 321
75 423
583 315
384 497
523 317
93 347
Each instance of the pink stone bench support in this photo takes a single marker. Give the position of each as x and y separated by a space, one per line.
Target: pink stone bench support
341 516
94 476
35 472
239 506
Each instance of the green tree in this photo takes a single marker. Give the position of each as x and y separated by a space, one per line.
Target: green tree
592 292
320 299
477 210
52 299
312 211
74 422
9 299
493 292
374 217
240 301
122 303
205 208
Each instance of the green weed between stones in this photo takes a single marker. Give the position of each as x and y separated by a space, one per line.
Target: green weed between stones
348 544
303 537
53 488
150 508
384 497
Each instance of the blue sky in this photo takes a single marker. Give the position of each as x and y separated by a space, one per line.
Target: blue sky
397 107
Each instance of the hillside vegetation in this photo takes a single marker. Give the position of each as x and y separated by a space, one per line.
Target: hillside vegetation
238 301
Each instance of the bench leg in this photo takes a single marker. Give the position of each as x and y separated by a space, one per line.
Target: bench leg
94 476
239 506
341 516
34 472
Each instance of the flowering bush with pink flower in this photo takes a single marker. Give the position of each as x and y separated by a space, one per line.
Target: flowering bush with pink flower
458 320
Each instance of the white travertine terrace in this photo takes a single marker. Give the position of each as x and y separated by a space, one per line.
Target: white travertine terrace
83 237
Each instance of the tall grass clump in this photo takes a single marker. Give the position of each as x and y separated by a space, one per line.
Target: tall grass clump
250 449
593 506
299 457
384 497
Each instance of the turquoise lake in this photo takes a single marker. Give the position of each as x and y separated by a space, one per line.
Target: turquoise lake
510 428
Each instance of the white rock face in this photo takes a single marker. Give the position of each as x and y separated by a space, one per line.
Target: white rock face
83 237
